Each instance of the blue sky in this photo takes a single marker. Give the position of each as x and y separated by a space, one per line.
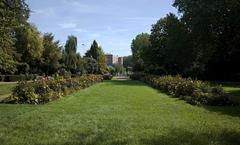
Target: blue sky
113 23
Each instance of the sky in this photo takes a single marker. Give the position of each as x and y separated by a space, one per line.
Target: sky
112 23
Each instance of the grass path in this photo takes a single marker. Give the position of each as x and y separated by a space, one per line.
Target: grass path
5 89
119 113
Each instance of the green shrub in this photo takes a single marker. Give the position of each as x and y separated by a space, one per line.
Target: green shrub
23 93
43 90
192 91
136 76
15 78
2 77
107 77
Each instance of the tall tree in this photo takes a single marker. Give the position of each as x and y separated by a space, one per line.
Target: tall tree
51 54
140 46
90 65
71 58
171 49
29 45
13 15
71 45
97 53
7 64
93 51
128 61
215 29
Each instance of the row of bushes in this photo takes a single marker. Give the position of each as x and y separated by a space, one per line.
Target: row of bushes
44 90
192 91
15 78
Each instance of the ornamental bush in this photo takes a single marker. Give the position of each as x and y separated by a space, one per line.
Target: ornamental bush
44 90
192 91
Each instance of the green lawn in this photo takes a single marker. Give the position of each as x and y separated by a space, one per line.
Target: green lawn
119 113
5 90
233 91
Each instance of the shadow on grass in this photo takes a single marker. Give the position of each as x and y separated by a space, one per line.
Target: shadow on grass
171 137
225 110
235 93
183 137
91 138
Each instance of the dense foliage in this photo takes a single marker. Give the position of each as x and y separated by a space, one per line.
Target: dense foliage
128 62
44 90
24 50
192 91
97 53
139 48
107 77
15 78
50 61
13 15
170 50
72 59
137 76
203 42
214 28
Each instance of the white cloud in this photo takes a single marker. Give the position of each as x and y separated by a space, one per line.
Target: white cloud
68 25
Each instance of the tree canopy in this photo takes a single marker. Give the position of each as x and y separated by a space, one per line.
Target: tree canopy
140 48
203 41
51 54
97 53
71 58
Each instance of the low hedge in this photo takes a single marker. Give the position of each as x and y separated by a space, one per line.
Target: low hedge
192 91
15 78
44 90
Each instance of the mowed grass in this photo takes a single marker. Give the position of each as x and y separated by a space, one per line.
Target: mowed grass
233 91
119 113
6 88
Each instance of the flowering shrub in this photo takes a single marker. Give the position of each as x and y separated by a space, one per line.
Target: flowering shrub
192 91
23 93
44 90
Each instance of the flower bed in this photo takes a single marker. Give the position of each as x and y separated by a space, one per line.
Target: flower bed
44 90
192 91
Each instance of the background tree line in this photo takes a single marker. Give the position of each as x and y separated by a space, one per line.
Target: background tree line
202 42
23 50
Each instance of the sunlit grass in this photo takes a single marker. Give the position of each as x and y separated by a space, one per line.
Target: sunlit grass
6 88
119 113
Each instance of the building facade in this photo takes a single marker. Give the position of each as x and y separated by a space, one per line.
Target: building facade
111 60
120 60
